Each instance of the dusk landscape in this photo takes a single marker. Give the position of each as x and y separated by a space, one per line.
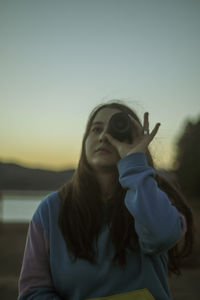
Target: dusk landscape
59 59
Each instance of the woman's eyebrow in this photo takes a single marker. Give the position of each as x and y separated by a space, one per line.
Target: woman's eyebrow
97 122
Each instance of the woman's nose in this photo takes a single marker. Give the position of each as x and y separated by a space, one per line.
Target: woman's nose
102 136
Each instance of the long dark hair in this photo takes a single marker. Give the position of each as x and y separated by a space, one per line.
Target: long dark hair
82 210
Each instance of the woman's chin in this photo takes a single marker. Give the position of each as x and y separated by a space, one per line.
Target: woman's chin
103 164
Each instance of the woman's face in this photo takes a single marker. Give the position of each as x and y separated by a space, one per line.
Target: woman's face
100 153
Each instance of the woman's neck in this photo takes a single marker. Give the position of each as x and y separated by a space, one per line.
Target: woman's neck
107 183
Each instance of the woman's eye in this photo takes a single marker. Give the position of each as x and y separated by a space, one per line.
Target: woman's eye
96 129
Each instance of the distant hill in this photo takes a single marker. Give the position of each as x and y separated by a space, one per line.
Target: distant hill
16 177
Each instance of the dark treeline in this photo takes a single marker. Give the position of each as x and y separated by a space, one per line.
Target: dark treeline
188 159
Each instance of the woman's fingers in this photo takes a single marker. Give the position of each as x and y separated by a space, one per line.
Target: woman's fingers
140 130
146 122
137 127
140 140
155 130
112 140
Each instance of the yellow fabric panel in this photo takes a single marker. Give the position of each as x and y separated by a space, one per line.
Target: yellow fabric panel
142 294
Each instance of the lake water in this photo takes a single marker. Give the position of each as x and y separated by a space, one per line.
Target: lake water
20 206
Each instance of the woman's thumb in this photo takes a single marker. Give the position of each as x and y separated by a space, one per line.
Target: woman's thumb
110 139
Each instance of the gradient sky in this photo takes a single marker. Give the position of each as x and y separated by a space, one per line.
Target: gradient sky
59 59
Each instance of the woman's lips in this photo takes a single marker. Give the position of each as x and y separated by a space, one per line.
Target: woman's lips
103 151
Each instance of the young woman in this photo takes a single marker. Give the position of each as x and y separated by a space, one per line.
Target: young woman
115 230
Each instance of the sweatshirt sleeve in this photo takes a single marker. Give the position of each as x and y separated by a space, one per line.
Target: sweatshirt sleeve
35 280
158 224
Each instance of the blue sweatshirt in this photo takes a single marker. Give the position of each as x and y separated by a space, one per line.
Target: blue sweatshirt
48 273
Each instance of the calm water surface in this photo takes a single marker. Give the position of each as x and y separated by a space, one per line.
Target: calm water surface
20 206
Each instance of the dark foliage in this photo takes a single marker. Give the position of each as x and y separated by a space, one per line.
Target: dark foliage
188 159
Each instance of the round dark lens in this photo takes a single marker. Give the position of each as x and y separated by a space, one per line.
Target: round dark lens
121 123
120 126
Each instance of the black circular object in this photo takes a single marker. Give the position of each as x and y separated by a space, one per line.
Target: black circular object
120 127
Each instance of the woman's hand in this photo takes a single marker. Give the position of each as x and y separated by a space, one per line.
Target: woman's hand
140 140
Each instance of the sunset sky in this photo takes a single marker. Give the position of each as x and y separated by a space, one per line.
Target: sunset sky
59 59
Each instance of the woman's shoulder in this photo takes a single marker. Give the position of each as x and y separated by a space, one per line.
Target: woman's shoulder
50 201
48 208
